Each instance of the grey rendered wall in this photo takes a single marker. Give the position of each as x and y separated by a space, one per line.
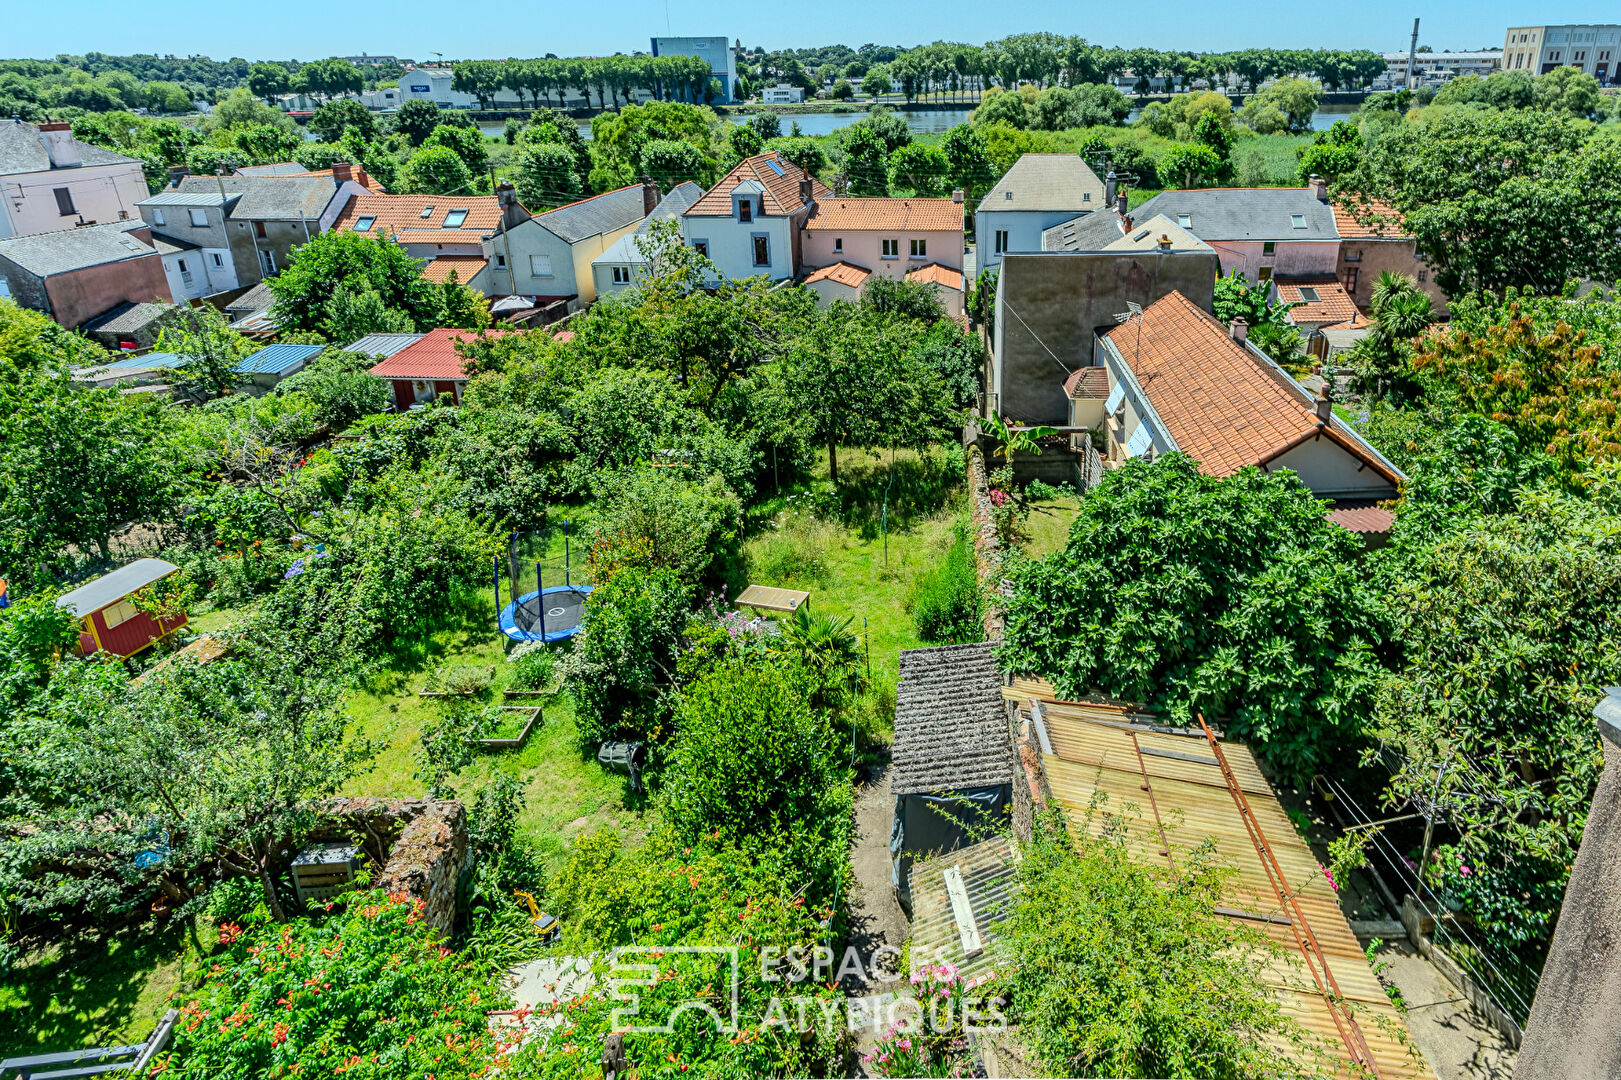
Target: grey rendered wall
1052 304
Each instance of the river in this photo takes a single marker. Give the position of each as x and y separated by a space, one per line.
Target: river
926 121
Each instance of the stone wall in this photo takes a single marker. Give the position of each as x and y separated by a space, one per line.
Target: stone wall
988 552
421 844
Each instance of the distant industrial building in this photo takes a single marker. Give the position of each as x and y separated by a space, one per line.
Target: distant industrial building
1433 67
379 61
721 55
1539 49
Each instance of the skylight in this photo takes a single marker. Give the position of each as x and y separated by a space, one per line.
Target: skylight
454 219
1298 220
775 167
364 223
1184 220
1309 295
427 212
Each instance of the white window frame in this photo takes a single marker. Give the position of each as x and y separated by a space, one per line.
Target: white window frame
540 266
838 245
891 247
919 248
621 275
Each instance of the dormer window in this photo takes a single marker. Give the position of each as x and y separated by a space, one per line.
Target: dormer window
745 210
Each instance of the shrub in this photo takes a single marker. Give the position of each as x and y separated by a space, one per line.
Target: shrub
620 669
233 898
658 521
366 990
532 667
945 601
461 679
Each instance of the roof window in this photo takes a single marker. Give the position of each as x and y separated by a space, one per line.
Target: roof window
427 211
1309 295
454 219
1139 236
1298 220
1184 220
364 223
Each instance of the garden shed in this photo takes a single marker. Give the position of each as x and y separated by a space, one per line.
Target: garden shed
952 766
109 621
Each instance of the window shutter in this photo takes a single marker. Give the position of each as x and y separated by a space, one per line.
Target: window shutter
1116 396
1140 441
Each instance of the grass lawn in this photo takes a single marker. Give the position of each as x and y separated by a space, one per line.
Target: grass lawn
104 987
1048 524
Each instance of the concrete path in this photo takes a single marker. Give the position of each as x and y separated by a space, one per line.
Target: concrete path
1457 1041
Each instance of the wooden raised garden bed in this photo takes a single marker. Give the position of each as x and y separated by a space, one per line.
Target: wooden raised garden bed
524 717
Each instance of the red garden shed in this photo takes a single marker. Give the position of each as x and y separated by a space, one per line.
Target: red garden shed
429 368
109 621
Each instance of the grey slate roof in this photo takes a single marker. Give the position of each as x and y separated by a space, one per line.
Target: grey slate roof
1047 182
269 198
23 151
126 318
591 217
255 299
1089 232
65 250
624 251
278 168
172 245
109 588
951 730
1216 214
383 345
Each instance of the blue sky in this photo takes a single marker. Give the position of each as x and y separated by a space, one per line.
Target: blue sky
416 28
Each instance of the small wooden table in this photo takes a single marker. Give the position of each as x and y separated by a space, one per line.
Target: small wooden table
765 598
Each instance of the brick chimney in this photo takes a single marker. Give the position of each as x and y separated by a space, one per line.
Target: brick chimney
512 212
60 145
807 190
650 195
1239 330
1111 187
342 173
1319 188
177 173
361 177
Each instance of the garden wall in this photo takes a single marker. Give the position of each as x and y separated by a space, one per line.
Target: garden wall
421 844
989 556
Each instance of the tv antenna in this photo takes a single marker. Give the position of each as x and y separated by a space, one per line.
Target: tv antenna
1134 311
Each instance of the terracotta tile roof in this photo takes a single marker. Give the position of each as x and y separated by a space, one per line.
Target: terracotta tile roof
1332 306
889 215
1088 382
433 356
935 274
1223 405
778 178
438 270
842 272
1384 223
402 216
1363 519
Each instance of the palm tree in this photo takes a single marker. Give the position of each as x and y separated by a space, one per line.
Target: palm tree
826 646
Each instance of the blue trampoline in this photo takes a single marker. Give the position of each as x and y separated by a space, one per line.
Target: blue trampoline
552 614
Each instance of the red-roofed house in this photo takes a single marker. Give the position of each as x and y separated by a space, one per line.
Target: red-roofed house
749 224
1180 381
1373 238
888 237
429 368
1325 313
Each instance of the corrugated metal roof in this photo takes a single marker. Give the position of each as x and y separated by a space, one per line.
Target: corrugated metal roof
382 345
988 876
951 730
277 359
1101 761
188 198
92 596
155 361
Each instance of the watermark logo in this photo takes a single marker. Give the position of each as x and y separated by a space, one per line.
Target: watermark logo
631 967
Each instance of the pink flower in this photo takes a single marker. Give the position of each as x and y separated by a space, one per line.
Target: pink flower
1464 870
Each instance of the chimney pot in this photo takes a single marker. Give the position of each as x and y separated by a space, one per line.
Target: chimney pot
1319 188
807 190
957 195
1120 202
1239 330
1165 241
1111 187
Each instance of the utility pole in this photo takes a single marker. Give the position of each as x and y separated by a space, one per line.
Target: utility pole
1412 55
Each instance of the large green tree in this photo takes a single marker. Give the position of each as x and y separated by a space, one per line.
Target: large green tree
1235 598
345 258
